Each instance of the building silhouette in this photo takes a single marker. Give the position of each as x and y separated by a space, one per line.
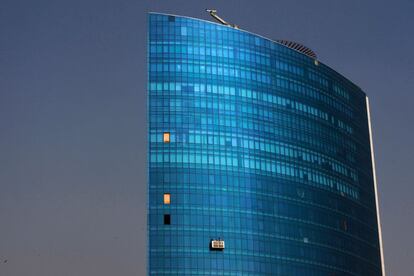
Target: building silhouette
260 158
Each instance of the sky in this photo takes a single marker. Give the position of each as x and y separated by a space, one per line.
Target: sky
73 120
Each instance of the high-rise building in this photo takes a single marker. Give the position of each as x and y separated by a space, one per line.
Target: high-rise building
260 158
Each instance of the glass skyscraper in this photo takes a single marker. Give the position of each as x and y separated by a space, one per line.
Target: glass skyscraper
260 158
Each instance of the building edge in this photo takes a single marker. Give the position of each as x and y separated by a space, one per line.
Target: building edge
375 187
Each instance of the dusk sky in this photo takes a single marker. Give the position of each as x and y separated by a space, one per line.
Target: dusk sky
73 120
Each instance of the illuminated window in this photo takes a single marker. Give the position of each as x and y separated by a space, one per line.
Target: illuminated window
167 219
166 137
167 198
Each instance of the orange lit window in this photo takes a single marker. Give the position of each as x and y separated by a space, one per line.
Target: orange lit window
166 137
167 198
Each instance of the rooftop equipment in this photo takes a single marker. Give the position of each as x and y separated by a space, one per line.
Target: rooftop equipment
213 13
298 47
290 44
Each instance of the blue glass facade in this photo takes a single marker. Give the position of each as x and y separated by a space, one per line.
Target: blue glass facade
255 144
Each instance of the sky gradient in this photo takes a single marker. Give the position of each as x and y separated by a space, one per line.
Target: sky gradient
73 125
